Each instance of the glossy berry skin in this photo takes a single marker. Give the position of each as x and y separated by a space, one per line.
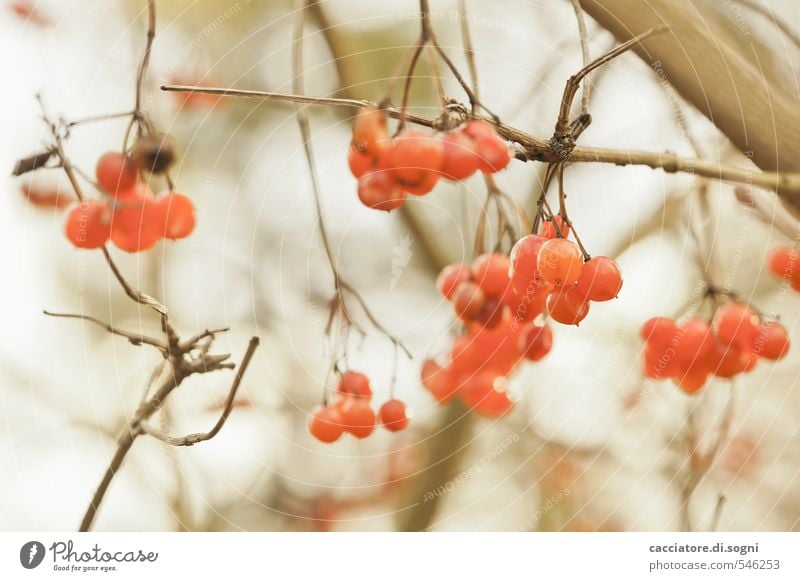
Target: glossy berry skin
394 415
736 324
176 213
378 190
459 158
487 394
424 185
549 229
468 301
784 262
88 224
137 225
600 279
116 174
490 272
414 157
560 262
451 277
354 384
492 313
771 342
358 417
567 305
359 162
326 424
537 342
369 133
693 342
658 330
492 152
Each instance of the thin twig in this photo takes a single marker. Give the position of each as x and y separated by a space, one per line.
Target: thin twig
305 131
469 50
135 339
584 35
574 82
192 439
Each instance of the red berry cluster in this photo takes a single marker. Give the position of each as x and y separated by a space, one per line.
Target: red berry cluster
784 262
692 351
413 161
352 412
498 335
551 271
131 216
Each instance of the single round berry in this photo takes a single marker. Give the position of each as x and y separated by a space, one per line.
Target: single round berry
492 152
567 305
524 255
693 342
369 132
468 300
379 191
326 424
490 272
177 216
451 277
459 159
414 156
359 162
88 224
537 342
772 341
354 384
600 279
116 173
394 415
659 331
736 324
358 417
784 262
560 262
136 226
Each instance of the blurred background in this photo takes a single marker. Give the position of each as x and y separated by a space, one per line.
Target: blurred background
590 444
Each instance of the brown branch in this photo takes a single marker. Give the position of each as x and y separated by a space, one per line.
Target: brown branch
135 339
584 36
534 148
192 439
305 131
574 82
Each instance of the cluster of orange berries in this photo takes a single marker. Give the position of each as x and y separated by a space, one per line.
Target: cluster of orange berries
692 351
129 214
352 412
550 270
413 161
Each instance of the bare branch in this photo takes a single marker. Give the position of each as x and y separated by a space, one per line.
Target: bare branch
192 439
135 339
537 149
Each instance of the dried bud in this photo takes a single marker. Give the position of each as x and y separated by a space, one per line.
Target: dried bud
154 153
453 115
